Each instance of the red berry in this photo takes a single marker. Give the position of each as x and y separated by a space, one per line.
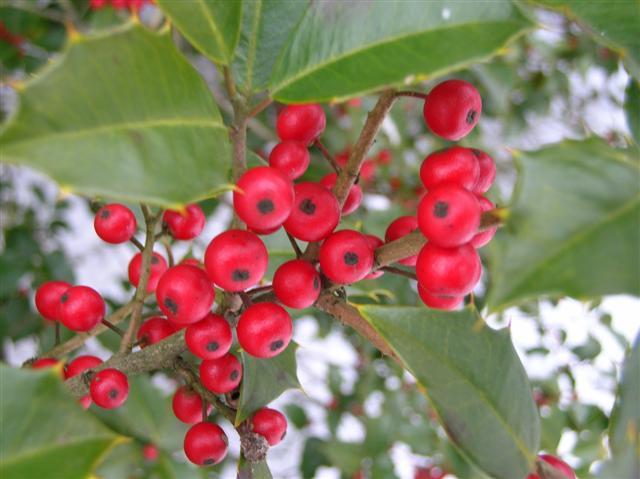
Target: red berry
43 363
384 157
205 444
48 298
158 267
487 172
270 424
264 330
452 109
303 123
98 4
368 170
399 228
264 232
315 212
429 473
209 338
449 216
192 262
346 257
291 158
120 4
483 237
221 375
296 284
265 197
448 271
374 243
154 330
80 365
115 223
81 308
187 405
85 401
109 388
435 301
558 464
185 294
184 225
150 452
236 260
455 165
354 198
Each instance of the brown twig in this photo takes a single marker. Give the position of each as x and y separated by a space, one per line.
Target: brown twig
259 290
137 243
294 245
256 110
400 272
414 94
328 156
113 327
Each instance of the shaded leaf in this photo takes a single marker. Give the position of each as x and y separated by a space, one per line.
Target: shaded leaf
255 470
632 109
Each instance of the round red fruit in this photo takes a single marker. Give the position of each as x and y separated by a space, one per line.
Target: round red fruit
354 198
209 338
80 365
187 405
449 216
43 363
558 464
264 330
448 271
48 298
115 223
205 444
157 269
185 294
154 330
315 212
303 123
150 452
186 224
236 260
483 237
221 375
399 228
296 284
346 257
291 158
446 303
374 243
452 109
455 165
270 424
109 388
487 172
264 199
81 308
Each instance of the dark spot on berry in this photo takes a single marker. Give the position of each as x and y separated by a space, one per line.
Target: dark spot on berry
212 346
316 283
64 298
171 305
240 275
350 258
441 209
277 344
234 374
154 260
208 462
113 393
265 206
471 116
307 206
105 213
476 153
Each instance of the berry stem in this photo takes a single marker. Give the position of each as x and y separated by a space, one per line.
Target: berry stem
113 327
328 156
167 247
257 109
413 94
546 471
137 243
294 245
399 271
260 289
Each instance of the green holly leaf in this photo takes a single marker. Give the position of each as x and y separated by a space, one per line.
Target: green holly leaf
574 226
474 380
253 470
632 109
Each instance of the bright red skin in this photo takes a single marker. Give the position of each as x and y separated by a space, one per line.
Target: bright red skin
192 262
384 157
303 123
291 158
48 298
185 294
115 223
448 271
452 109
236 260
270 424
368 170
354 198
434 301
374 243
43 363
399 228
558 463
429 473
150 452
154 330
97 4
158 268
209 338
185 225
109 388
296 284
221 375
187 405
487 172
346 257
80 365
85 401
264 232
449 216
81 308
455 165
483 237
264 330
205 444
315 213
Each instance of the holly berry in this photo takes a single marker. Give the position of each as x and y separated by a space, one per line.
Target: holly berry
265 197
346 257
270 424
209 338
150 453
449 216
487 172
448 271
315 213
192 262
384 157
184 225
115 223
81 308
157 268
558 464
455 165
291 158
187 405
303 123
399 228
109 388
483 237
97 4
221 375
154 330
296 284
452 109
435 301
264 330
236 260
205 444
354 198
374 243
80 365
43 363
48 298
185 294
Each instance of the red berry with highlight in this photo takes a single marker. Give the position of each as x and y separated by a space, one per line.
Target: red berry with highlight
558 464
303 123
205 444
487 172
399 228
115 223
448 271
296 284
109 388
185 294
157 269
48 298
80 365
315 213
154 330
455 165
43 363
346 257
374 243
354 198
184 225
483 237
446 303
452 109
81 308
270 424
264 330
187 405
221 375
209 338
150 453
291 158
